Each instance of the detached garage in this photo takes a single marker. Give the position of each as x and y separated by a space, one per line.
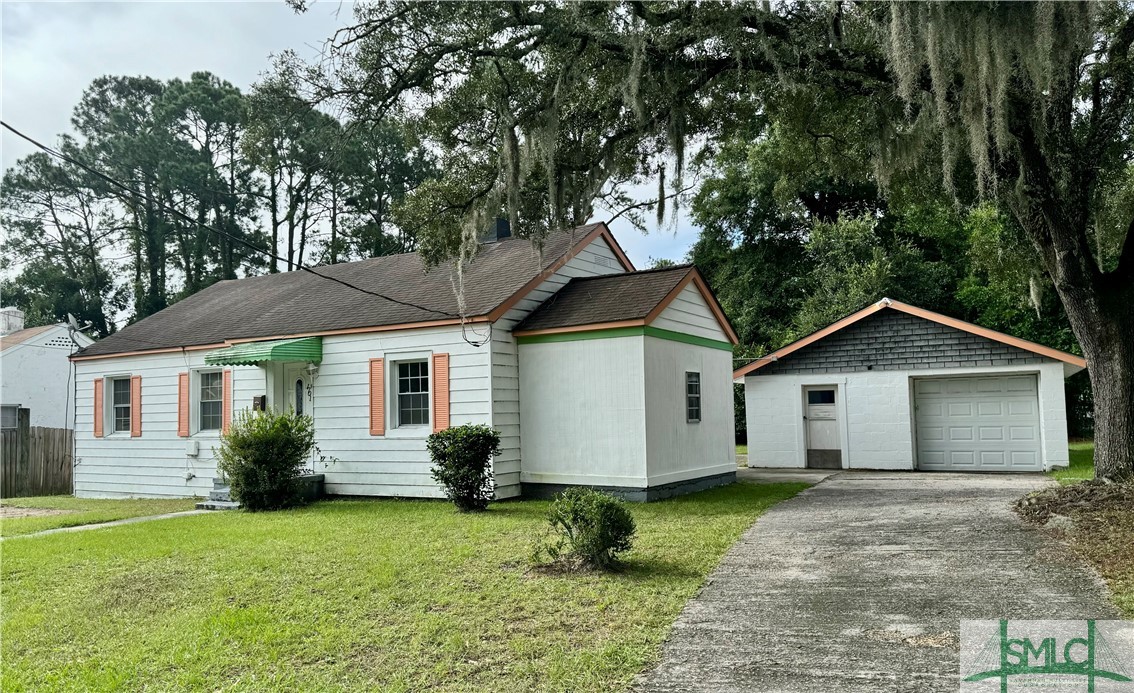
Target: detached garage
894 386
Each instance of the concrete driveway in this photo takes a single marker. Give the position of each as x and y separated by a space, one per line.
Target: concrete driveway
859 584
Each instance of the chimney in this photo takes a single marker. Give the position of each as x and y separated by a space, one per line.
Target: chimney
498 231
11 320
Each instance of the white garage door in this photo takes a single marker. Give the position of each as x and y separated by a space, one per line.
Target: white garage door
986 424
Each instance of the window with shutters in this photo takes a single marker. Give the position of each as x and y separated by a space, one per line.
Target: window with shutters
412 391
120 404
210 400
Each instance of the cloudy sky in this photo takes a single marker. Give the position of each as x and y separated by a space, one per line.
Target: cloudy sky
50 52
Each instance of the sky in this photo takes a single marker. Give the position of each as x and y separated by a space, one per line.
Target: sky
51 51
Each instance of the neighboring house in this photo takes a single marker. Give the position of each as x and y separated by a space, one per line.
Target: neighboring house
619 382
898 387
35 373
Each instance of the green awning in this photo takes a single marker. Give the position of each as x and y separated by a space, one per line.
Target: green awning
303 349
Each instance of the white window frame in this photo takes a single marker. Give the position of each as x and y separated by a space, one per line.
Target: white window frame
110 409
394 427
16 423
689 395
195 402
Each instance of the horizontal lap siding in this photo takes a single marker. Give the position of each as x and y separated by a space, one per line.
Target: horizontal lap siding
396 464
690 314
156 463
597 258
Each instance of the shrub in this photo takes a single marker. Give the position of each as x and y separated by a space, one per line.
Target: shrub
590 527
262 454
462 464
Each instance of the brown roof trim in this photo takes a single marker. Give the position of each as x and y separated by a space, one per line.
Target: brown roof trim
15 339
590 327
325 333
921 313
600 230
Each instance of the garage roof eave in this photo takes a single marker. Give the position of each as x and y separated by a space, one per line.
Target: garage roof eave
1072 363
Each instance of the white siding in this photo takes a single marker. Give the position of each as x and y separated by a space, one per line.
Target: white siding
875 410
584 412
689 313
36 375
597 258
677 450
156 463
396 464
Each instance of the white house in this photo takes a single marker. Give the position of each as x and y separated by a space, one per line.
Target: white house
898 387
615 382
35 373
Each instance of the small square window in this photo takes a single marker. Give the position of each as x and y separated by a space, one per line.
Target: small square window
820 396
692 397
9 417
210 401
120 404
413 393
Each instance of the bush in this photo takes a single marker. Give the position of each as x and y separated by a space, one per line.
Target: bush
462 464
591 527
263 455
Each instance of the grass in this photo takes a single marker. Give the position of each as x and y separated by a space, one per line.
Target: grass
1082 464
84 511
742 449
354 595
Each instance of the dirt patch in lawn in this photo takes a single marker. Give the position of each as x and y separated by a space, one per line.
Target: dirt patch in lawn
1097 520
8 512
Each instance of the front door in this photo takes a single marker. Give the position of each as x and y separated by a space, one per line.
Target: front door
297 386
822 426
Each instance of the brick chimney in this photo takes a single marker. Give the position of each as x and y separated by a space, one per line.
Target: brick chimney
11 320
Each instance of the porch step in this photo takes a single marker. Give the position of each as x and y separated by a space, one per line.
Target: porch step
219 483
218 505
220 494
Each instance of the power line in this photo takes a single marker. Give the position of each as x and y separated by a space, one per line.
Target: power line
134 195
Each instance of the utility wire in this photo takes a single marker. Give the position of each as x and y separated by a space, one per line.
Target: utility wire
131 194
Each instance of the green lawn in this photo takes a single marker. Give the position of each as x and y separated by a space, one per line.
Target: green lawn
84 511
742 449
1082 464
353 595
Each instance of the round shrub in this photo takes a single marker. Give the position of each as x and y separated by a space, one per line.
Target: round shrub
263 454
462 464
590 526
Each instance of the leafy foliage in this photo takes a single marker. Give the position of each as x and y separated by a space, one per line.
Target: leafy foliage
589 527
263 455
462 464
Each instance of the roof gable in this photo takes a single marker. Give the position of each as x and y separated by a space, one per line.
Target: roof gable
50 336
948 350
620 300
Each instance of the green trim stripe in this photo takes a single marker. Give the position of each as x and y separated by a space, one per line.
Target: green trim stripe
614 332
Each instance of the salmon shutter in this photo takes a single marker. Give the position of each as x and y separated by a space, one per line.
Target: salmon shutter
135 406
377 398
440 392
98 418
183 405
226 400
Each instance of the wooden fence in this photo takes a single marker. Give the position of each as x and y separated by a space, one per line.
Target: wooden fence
35 461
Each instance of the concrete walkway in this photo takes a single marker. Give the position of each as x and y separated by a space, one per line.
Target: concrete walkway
113 523
859 584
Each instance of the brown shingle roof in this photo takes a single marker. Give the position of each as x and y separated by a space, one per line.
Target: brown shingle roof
20 336
606 298
295 303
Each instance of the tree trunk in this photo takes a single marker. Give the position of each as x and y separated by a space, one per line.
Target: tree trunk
1103 322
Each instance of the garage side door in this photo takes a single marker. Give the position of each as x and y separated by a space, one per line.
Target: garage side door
985 424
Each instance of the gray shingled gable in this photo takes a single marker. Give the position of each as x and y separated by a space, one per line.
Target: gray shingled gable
605 298
892 340
294 303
